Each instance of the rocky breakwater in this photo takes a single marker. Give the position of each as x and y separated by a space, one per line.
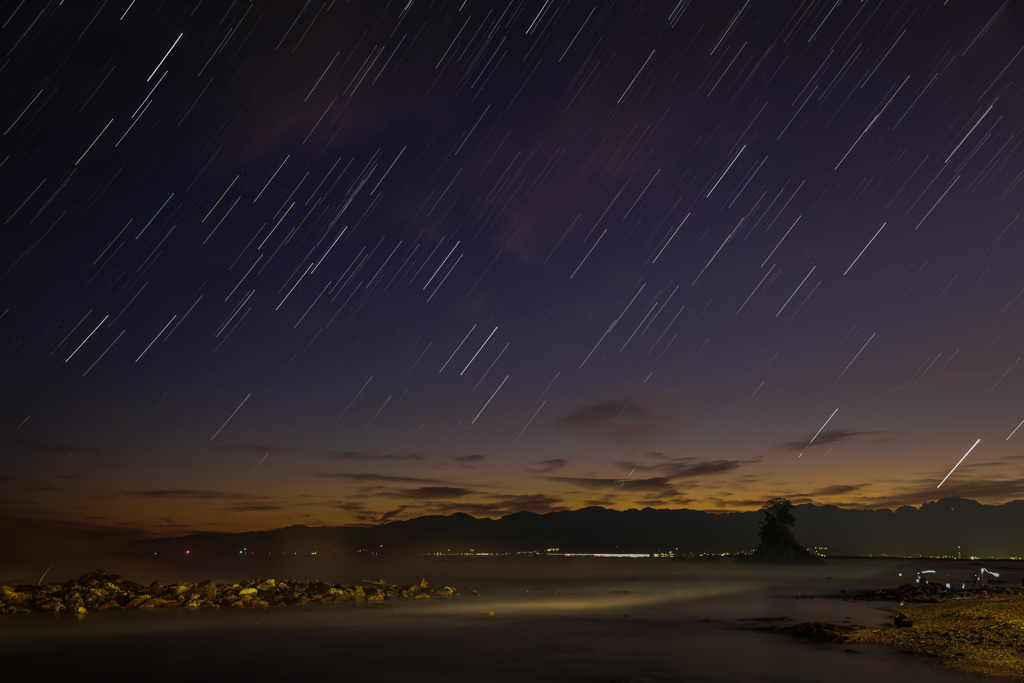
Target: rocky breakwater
102 591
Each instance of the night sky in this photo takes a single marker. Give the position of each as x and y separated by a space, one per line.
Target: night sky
327 262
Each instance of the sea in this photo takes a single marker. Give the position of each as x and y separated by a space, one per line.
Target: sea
533 619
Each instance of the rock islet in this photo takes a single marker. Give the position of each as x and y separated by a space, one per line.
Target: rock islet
101 591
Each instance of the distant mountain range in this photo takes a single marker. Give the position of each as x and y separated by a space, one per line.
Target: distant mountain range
936 528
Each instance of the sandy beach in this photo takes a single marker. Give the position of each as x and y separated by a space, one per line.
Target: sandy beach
982 636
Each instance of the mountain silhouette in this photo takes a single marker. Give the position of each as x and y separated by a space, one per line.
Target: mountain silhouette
934 529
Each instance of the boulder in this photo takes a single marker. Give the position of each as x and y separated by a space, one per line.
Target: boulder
163 602
51 605
206 589
9 596
901 620
135 602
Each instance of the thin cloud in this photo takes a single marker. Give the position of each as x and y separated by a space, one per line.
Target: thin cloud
376 477
427 492
659 484
831 436
387 516
862 497
732 504
548 465
837 490
198 494
621 422
504 505
1001 490
371 455
684 468
255 448
348 506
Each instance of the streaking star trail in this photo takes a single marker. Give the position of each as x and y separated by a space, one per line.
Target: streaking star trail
476 256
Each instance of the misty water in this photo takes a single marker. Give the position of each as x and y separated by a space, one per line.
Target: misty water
616 620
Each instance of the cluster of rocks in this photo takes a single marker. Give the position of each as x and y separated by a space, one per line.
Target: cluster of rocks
101 591
931 592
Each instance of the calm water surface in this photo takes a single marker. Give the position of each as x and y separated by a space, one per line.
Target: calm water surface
617 620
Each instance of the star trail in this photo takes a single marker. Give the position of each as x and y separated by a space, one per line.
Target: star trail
327 262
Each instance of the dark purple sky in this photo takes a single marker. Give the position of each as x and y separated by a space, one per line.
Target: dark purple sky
335 262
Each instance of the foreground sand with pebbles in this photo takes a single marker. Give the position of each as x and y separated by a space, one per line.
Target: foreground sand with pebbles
980 636
977 631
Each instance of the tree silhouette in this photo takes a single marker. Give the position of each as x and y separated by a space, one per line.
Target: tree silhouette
777 541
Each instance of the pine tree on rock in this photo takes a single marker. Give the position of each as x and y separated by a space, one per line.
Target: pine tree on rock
777 541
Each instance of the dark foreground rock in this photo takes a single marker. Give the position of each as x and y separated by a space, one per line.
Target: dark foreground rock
101 591
931 592
816 630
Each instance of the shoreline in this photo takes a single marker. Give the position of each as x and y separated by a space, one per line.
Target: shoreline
979 632
636 635
976 632
979 635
